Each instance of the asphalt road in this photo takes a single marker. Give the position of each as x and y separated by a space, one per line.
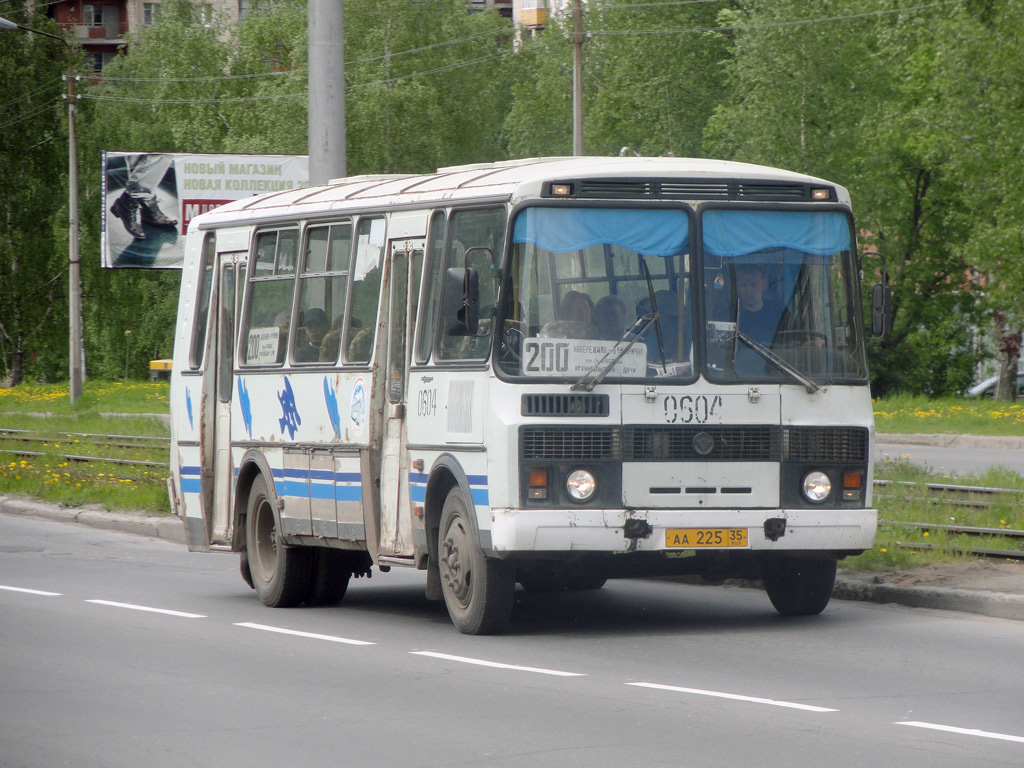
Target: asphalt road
119 650
959 457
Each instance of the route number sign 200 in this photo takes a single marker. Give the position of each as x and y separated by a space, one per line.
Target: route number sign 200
546 356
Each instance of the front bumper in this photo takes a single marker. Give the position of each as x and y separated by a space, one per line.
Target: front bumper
596 530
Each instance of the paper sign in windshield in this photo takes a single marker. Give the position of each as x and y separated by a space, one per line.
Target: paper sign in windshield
576 357
262 347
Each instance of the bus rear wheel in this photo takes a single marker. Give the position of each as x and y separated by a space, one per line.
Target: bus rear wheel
798 586
478 591
280 574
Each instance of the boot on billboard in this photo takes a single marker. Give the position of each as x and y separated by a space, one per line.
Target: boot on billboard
128 209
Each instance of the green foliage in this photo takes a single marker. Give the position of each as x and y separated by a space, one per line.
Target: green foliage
33 200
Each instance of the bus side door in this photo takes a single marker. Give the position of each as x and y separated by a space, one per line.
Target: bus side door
229 266
406 265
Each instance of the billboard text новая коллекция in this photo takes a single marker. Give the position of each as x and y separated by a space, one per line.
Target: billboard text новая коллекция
149 198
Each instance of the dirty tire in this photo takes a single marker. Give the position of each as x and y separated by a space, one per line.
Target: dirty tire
479 591
328 582
280 574
796 586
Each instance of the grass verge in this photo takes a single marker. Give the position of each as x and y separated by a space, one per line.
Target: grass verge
920 415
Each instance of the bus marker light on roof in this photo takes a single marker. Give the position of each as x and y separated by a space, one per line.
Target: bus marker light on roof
561 190
821 194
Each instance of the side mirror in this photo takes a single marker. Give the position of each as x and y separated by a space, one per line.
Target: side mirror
460 306
881 310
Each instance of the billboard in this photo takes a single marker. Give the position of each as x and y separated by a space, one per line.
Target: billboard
149 198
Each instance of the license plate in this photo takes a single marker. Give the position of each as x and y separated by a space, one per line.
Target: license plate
691 538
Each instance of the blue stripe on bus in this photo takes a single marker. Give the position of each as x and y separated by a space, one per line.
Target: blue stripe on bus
321 474
321 491
480 498
418 493
418 477
191 485
348 493
477 479
348 477
191 471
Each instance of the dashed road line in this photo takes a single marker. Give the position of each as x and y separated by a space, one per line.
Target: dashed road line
962 731
297 633
735 697
148 609
32 591
497 664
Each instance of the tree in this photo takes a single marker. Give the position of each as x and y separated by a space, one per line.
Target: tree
33 202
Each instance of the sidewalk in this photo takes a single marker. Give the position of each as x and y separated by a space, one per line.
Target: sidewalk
986 588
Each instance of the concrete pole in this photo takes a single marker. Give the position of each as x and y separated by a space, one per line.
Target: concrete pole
326 91
577 78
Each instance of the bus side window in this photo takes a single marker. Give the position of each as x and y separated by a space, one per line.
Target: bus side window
272 282
366 274
323 288
195 358
476 237
432 291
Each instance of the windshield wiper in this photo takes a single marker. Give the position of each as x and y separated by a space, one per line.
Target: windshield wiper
777 361
601 368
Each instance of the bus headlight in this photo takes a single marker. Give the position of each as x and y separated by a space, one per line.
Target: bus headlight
580 485
817 486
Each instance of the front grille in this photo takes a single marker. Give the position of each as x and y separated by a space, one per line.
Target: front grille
702 443
833 444
564 405
569 443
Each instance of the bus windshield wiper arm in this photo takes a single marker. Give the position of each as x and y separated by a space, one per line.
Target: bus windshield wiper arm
596 375
777 361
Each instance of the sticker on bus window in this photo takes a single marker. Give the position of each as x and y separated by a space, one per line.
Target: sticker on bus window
576 357
263 344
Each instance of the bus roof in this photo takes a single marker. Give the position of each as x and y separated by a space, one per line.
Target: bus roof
500 180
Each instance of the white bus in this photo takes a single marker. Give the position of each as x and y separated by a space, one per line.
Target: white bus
542 372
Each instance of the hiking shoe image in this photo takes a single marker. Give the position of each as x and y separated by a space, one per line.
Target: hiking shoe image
127 209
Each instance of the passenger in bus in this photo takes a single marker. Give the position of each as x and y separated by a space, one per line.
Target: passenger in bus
315 325
575 321
610 317
331 344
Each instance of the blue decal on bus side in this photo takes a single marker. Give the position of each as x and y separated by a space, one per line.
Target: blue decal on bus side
243 399
331 398
290 418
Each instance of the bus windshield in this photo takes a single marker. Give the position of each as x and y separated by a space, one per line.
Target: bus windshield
620 294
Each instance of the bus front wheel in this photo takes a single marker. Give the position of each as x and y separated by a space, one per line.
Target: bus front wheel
798 586
478 591
280 574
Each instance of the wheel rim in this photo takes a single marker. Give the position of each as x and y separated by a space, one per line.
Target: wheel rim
456 562
266 543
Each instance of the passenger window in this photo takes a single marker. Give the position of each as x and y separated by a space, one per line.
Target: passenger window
475 240
366 273
272 282
195 358
323 288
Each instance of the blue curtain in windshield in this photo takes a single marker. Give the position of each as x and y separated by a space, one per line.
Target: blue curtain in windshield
660 232
737 233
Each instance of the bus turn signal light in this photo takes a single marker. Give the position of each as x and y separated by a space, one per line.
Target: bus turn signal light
538 485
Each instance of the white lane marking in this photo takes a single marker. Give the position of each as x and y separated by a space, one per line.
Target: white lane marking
497 665
147 609
296 633
31 591
734 696
963 731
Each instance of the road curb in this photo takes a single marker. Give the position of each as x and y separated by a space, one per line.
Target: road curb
1007 442
996 604
156 526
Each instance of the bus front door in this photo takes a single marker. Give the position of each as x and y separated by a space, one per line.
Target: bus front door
395 520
